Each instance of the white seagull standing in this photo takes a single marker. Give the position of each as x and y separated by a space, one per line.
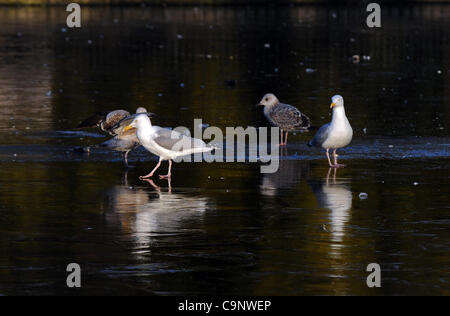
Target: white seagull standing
336 134
165 143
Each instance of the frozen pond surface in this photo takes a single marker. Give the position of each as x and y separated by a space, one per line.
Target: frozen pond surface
224 228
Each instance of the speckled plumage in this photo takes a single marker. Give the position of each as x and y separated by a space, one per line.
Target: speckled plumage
124 141
105 120
112 119
287 117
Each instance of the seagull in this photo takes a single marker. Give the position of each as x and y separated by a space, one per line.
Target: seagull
336 134
124 141
107 121
287 117
164 143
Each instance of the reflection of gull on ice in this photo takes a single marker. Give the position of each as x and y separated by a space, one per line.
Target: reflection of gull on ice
336 196
290 173
167 211
145 213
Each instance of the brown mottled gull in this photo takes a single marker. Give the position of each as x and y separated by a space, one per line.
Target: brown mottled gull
105 120
287 117
124 141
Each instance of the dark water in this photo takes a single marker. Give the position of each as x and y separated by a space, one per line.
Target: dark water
225 228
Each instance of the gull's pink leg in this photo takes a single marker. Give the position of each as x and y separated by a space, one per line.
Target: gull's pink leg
329 160
285 141
151 173
169 174
336 165
281 138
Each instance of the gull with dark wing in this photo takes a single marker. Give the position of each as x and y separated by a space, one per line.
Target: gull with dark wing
287 117
106 120
336 134
165 143
124 141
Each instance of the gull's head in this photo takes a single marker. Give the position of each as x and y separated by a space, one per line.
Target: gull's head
141 110
337 101
140 121
268 100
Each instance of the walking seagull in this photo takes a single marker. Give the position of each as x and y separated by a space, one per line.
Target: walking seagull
287 117
336 134
124 141
164 143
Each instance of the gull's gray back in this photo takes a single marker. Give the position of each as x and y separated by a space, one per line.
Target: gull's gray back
174 140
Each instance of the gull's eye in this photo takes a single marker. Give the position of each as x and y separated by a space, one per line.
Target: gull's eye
267 99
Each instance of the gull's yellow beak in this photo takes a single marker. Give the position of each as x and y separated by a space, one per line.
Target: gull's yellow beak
127 128
332 105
